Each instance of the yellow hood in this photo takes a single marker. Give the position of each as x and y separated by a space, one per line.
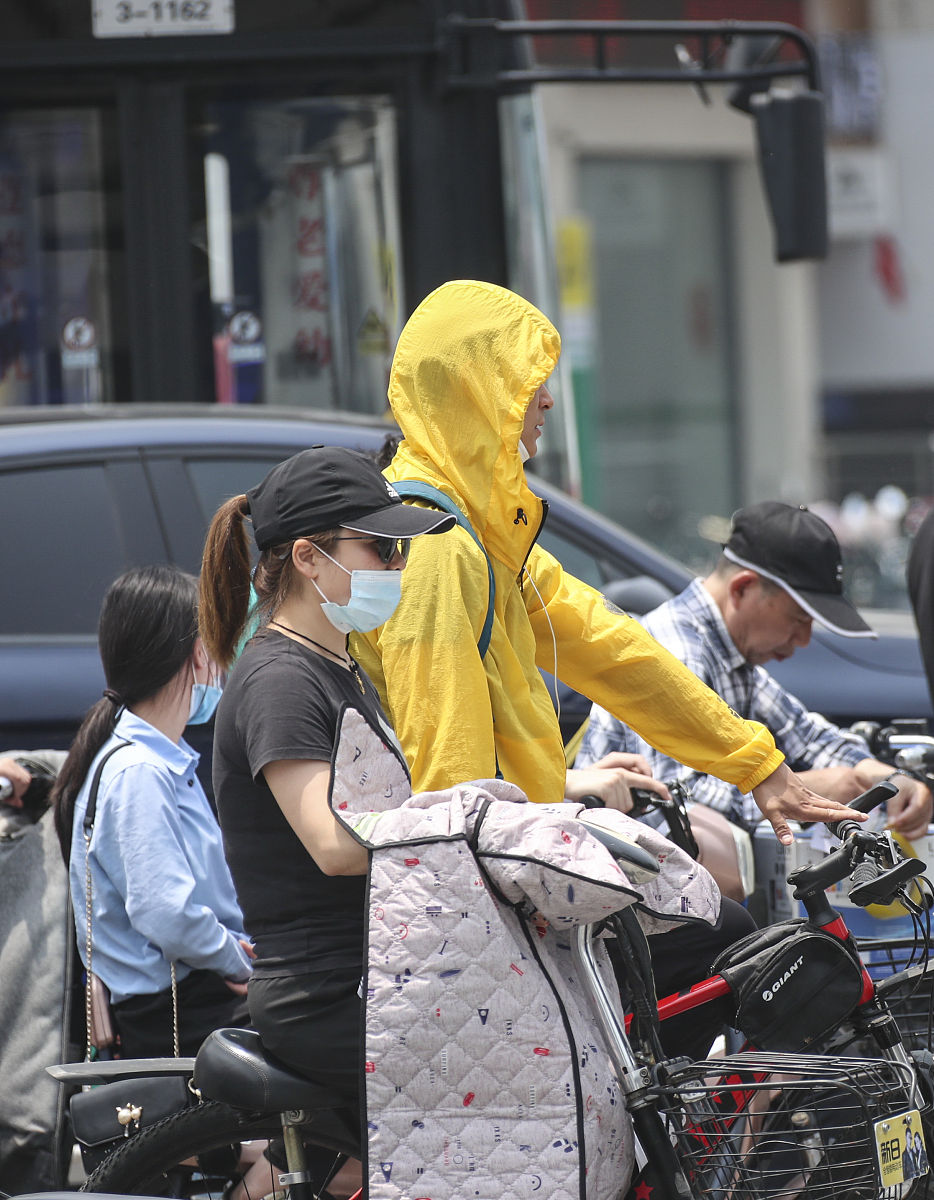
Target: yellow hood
468 362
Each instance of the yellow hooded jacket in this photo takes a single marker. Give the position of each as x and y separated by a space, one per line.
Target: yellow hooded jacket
467 364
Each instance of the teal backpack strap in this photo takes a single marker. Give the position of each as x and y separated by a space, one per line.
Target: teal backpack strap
417 490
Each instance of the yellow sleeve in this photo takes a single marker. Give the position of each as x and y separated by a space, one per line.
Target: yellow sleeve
437 696
611 659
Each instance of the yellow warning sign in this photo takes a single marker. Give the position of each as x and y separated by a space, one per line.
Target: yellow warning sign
575 263
373 334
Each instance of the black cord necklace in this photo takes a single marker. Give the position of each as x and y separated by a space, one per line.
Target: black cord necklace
349 661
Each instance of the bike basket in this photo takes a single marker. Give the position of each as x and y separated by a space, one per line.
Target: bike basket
792 1127
908 993
791 985
885 956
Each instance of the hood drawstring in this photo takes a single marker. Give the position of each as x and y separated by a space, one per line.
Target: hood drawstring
520 516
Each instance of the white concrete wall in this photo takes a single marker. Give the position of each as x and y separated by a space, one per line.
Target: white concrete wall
868 339
775 305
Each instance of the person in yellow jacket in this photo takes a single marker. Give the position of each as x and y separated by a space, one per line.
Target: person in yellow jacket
467 389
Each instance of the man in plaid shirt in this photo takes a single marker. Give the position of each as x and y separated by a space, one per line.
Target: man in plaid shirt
780 571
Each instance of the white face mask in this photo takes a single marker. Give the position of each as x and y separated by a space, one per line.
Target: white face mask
374 597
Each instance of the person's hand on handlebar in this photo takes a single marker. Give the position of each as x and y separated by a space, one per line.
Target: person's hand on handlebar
782 797
909 813
611 778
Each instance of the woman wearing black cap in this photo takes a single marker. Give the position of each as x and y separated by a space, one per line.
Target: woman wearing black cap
333 539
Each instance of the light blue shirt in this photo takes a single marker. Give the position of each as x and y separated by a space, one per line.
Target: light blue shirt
160 884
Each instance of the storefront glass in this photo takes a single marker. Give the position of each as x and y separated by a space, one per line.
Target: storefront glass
301 297
58 246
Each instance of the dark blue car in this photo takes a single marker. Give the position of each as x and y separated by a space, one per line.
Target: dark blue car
86 494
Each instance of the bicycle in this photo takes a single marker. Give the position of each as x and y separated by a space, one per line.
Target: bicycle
899 962
762 1122
812 1093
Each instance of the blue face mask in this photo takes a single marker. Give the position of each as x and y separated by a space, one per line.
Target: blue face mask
204 699
374 597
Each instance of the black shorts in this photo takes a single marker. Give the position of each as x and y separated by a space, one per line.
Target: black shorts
313 1023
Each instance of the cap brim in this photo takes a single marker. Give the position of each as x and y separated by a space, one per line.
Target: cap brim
834 612
401 521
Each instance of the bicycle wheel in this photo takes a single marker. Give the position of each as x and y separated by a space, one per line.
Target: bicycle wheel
195 1152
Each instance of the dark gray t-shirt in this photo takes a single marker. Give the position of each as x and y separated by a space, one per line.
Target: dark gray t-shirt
283 701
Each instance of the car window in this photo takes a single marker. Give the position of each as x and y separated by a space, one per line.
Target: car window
72 546
217 479
575 558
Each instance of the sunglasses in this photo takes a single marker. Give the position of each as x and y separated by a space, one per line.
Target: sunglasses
386 548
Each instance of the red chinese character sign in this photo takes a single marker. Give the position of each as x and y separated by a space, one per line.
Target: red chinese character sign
311 345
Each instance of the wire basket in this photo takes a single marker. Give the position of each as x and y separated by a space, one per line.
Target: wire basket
904 976
783 1127
888 955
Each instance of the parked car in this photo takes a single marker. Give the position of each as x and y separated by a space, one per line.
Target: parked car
87 493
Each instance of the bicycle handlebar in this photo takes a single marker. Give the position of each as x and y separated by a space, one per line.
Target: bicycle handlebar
591 802
906 744
632 858
915 757
863 803
873 860
873 883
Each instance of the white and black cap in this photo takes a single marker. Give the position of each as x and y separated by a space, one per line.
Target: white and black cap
794 548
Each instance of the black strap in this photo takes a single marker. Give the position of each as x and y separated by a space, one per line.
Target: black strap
91 811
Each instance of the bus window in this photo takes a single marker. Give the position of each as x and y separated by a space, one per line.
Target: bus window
56 336
300 304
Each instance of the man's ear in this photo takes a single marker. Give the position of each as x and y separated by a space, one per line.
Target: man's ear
740 585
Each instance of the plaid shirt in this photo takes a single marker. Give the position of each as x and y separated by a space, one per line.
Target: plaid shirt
691 626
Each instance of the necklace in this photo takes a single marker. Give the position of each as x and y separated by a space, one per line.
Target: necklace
350 662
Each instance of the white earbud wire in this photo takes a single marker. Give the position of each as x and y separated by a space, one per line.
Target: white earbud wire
554 640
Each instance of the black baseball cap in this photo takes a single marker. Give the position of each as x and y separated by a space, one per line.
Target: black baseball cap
328 487
794 548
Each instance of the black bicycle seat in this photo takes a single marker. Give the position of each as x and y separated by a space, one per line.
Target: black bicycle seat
234 1067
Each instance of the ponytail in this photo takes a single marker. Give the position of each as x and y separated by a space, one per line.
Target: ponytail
229 583
95 729
224 590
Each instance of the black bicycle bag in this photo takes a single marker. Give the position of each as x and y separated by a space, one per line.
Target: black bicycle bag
791 983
